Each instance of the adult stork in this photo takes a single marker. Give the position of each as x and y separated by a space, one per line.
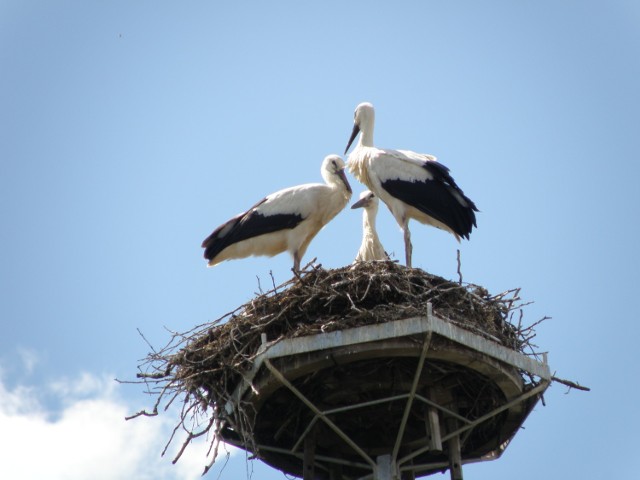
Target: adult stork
371 249
286 220
412 185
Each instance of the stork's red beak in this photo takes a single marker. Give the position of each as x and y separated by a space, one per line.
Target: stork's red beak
354 134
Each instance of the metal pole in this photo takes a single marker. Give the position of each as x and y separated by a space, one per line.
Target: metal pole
432 423
414 386
308 470
383 468
455 456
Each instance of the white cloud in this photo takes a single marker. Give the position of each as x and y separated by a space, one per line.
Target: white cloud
88 436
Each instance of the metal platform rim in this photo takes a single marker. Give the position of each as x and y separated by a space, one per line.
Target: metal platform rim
428 324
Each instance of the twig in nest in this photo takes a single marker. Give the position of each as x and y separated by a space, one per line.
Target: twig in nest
155 376
145 340
142 413
260 292
571 384
273 281
353 305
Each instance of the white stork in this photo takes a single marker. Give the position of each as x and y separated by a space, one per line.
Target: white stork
285 220
371 249
412 185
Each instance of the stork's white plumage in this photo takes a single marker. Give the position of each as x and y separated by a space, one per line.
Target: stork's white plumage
286 220
371 249
412 185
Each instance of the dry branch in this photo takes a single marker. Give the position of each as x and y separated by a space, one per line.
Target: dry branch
571 384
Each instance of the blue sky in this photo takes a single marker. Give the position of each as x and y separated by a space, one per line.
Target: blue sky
129 130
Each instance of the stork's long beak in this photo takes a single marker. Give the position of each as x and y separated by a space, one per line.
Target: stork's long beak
354 134
360 203
343 177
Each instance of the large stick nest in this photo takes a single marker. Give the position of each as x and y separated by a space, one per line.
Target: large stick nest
326 300
205 364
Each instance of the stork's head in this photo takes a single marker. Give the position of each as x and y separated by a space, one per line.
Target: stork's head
367 200
332 167
363 120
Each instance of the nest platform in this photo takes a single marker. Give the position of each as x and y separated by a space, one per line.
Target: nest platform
420 392
370 371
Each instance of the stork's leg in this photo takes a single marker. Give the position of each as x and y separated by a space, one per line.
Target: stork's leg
408 248
296 262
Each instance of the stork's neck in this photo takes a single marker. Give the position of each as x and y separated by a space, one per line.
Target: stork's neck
369 222
366 136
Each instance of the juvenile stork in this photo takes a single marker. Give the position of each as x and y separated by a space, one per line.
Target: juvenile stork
412 185
286 220
371 249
